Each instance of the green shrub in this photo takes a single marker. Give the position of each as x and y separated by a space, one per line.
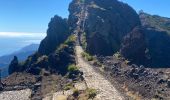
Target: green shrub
68 87
92 93
84 41
76 93
72 68
83 54
87 56
71 38
117 55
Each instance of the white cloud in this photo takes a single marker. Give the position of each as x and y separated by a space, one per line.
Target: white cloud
21 35
32 41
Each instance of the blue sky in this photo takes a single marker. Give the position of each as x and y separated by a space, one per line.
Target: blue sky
34 15
158 7
23 22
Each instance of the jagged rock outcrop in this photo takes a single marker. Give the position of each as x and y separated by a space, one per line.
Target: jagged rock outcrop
55 53
134 45
56 62
107 22
13 67
57 33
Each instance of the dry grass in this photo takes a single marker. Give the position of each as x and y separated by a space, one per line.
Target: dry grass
131 94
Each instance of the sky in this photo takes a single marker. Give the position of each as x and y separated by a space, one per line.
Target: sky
34 15
23 22
154 7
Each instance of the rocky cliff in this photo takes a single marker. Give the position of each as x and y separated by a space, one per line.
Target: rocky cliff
55 52
109 26
57 33
134 46
157 34
106 23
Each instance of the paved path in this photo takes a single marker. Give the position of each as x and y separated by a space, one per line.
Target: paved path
16 95
94 80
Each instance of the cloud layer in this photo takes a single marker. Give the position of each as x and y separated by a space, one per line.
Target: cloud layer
16 40
21 34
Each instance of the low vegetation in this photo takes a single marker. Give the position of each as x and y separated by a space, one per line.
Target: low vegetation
84 41
74 73
117 55
88 94
68 86
71 39
72 68
75 92
87 56
91 93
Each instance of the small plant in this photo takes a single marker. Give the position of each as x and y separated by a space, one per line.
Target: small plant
127 61
72 68
84 41
83 54
76 93
92 93
70 39
87 56
117 55
43 58
68 87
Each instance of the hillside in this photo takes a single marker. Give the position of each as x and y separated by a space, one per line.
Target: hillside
155 21
104 50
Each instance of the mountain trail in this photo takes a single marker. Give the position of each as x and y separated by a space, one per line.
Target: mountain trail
94 80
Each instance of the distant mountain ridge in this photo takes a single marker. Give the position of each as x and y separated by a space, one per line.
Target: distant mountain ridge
22 54
155 21
27 50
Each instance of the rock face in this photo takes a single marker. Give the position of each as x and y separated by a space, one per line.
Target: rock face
13 67
107 22
157 34
158 46
57 33
134 45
